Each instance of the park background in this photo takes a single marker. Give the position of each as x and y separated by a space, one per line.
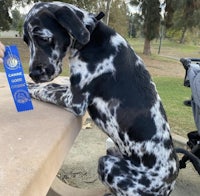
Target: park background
161 32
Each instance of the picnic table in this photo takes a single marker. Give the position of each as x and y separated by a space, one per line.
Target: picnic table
33 145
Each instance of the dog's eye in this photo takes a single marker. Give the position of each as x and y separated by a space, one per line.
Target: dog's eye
44 40
47 39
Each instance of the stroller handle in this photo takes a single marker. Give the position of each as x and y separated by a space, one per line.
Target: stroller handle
190 59
187 61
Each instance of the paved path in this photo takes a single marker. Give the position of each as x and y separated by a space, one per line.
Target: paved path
188 183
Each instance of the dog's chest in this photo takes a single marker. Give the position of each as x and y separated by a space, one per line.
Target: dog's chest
84 71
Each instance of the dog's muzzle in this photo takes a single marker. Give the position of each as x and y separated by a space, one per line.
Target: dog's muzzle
40 74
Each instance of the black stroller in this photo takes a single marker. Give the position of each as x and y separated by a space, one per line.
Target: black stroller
193 137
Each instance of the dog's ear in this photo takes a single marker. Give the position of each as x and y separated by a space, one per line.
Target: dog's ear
70 21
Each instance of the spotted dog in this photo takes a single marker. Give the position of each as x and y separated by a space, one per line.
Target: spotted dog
109 80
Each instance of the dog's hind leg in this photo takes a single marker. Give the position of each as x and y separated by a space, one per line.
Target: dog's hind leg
60 95
125 177
117 175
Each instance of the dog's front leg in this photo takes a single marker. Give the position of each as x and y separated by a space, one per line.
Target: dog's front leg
60 95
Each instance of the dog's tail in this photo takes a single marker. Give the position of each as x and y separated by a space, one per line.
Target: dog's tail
188 156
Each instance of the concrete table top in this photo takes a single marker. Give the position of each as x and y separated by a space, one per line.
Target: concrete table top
33 144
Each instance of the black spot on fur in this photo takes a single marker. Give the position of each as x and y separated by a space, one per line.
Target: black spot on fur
167 144
164 126
156 140
125 184
99 44
135 159
75 79
79 97
141 192
157 168
145 181
149 160
143 128
163 111
95 114
110 179
101 168
115 171
121 135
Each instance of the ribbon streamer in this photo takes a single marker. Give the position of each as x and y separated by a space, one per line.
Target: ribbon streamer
15 75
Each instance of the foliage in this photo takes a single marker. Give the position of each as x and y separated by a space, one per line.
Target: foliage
169 11
150 17
184 16
135 25
4 14
5 7
17 21
151 13
118 18
132 32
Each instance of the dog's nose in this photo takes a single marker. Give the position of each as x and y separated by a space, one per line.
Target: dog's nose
35 75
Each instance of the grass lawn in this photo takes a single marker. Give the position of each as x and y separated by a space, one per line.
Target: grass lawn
173 93
171 89
168 48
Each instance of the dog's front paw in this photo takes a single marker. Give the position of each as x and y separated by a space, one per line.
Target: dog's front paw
33 89
32 85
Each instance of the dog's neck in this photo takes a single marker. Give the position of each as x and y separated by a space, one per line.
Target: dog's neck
76 44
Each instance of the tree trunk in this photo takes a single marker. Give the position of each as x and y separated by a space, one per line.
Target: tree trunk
182 40
147 47
107 14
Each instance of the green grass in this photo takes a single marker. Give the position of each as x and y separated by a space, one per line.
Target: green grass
173 93
169 48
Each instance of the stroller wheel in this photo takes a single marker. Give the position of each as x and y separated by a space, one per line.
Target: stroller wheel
187 103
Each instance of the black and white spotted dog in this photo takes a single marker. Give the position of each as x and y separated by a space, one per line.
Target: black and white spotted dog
110 81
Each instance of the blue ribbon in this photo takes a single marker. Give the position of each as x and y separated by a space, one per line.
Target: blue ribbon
15 75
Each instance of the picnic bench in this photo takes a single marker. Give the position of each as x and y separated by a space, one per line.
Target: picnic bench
33 145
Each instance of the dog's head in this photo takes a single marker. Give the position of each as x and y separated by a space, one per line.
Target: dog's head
49 30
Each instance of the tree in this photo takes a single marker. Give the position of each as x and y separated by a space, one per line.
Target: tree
107 11
4 15
131 27
150 13
185 15
118 17
169 12
17 21
5 7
